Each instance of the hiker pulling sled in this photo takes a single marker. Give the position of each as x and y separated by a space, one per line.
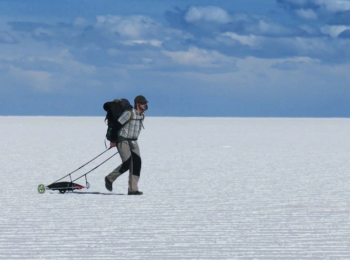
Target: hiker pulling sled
124 126
64 186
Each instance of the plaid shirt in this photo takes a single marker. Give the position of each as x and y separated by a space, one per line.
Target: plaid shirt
132 129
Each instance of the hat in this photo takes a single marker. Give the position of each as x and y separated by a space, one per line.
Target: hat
140 99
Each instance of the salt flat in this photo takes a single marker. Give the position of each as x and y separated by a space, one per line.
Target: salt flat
214 188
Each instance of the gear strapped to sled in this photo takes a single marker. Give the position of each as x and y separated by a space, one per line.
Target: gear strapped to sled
62 187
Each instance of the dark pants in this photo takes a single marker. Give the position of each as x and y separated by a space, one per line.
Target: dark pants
131 160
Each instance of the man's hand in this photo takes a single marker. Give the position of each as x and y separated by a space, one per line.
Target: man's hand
112 145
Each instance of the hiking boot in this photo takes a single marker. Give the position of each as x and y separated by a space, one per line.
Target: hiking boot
135 192
108 184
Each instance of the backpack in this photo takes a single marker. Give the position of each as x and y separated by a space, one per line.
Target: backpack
114 110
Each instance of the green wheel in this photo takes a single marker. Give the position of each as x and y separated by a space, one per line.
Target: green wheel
41 188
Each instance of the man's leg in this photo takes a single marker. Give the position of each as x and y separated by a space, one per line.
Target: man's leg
135 167
125 154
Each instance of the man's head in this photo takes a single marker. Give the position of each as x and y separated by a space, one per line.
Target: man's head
141 103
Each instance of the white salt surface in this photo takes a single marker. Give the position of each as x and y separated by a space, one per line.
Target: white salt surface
214 188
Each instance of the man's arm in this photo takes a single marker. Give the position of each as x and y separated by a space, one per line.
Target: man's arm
121 121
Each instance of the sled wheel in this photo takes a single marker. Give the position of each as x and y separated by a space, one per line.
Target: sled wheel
62 191
41 188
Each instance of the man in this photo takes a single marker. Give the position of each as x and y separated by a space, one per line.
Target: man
128 147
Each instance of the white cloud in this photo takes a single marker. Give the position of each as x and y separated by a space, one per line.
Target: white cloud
250 40
80 22
293 63
127 26
271 28
328 5
37 80
40 79
307 14
296 2
207 13
334 5
199 57
5 37
310 30
41 31
154 42
334 30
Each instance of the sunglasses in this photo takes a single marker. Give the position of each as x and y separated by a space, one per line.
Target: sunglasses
143 103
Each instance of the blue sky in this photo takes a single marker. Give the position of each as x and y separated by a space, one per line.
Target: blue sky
280 58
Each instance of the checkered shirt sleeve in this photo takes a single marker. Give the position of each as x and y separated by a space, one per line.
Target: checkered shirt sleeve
124 117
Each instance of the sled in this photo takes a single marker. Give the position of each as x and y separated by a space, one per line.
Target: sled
62 187
65 186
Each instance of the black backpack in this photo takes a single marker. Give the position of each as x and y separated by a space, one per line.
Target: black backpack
114 110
